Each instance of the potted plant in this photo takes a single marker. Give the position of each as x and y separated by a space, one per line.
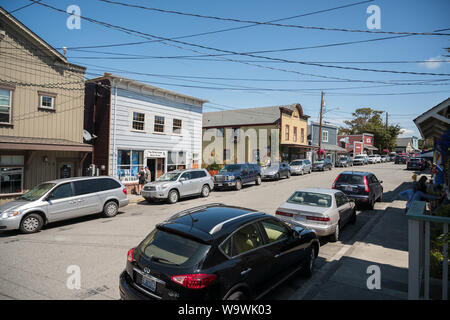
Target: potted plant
213 168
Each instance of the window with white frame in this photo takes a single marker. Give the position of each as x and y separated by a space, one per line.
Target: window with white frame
46 100
11 174
138 122
176 160
324 136
5 105
128 164
159 124
176 127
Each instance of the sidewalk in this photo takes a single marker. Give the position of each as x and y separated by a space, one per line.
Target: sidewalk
134 198
383 243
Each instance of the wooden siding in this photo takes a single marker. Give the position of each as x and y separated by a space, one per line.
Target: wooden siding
122 136
27 67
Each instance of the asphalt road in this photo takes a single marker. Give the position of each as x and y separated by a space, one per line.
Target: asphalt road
39 266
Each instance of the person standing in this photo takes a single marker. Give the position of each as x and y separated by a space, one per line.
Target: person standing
141 179
148 175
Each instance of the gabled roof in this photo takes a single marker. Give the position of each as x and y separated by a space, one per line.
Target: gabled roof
249 116
6 17
434 122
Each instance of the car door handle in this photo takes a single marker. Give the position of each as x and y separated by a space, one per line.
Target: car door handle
246 271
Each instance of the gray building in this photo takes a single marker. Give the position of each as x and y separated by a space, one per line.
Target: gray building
329 140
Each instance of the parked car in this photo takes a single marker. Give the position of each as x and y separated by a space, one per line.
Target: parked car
300 166
344 161
374 158
177 184
416 163
326 211
61 200
237 175
360 160
275 171
322 165
401 159
384 159
363 187
216 252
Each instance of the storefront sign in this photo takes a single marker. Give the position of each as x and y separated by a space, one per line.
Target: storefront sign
155 154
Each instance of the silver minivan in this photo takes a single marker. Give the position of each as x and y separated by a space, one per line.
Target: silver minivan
300 166
177 184
63 199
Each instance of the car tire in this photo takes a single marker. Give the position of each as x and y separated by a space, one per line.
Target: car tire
380 198
371 204
308 269
173 196
310 170
110 209
238 295
353 217
258 180
205 191
31 223
238 184
335 236
277 177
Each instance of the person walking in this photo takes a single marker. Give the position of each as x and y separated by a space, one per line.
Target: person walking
141 179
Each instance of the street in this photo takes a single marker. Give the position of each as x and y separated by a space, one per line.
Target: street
38 266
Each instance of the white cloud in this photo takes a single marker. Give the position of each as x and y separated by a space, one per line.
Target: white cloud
406 133
432 63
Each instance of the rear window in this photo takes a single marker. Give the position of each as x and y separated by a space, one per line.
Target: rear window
172 249
414 160
311 199
296 163
350 179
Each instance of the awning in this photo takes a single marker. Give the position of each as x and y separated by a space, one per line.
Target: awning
370 148
25 143
331 147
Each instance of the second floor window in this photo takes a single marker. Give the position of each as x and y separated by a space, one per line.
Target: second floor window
5 105
295 134
46 100
177 126
302 137
324 136
286 133
159 124
138 121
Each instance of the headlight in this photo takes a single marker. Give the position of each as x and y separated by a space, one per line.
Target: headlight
163 187
230 178
9 214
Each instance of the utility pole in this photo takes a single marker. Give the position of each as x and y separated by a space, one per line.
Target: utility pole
320 124
387 119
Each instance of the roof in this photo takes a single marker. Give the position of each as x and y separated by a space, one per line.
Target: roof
248 116
12 21
435 121
330 147
204 220
154 90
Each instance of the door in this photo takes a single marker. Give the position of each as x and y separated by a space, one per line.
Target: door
187 184
245 173
151 164
198 180
61 203
254 259
66 169
86 196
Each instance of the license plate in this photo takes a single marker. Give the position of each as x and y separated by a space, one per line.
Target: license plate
348 188
149 283
219 184
300 218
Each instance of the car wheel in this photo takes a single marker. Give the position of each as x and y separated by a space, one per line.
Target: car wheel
258 181
353 217
173 196
205 191
371 204
309 263
110 209
238 184
310 170
380 198
277 177
31 223
335 236
238 295
302 172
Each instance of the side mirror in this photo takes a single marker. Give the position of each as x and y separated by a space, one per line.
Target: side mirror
381 181
183 179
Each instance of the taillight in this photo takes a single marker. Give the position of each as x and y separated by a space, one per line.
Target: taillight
124 191
130 255
334 183
281 213
366 185
194 281
317 218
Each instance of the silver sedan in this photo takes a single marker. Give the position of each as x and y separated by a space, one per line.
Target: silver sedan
325 211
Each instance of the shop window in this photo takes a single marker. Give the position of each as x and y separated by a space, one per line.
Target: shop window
128 164
176 160
11 180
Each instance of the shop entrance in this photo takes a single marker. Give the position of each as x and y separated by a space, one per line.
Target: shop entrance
156 167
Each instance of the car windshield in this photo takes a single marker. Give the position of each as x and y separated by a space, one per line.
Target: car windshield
311 199
359 157
37 192
319 161
273 166
169 176
350 179
169 248
343 158
231 168
296 163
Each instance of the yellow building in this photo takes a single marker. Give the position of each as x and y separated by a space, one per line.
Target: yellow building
278 133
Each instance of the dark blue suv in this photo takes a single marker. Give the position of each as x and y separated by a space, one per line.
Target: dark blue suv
236 175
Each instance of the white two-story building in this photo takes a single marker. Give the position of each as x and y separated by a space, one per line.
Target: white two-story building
133 124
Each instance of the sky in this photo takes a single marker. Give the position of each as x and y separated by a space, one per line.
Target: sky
266 78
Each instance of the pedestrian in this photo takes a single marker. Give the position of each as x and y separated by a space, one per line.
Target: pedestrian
417 193
148 175
141 179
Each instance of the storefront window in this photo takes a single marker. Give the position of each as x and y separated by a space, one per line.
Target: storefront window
11 180
176 160
128 163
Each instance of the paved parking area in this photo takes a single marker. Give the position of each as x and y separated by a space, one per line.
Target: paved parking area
36 266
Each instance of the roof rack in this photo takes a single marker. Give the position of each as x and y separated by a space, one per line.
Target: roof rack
219 226
192 210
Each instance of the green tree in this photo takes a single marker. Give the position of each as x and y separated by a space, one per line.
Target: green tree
367 120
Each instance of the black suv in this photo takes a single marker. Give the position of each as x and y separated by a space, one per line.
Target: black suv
217 252
363 187
236 175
